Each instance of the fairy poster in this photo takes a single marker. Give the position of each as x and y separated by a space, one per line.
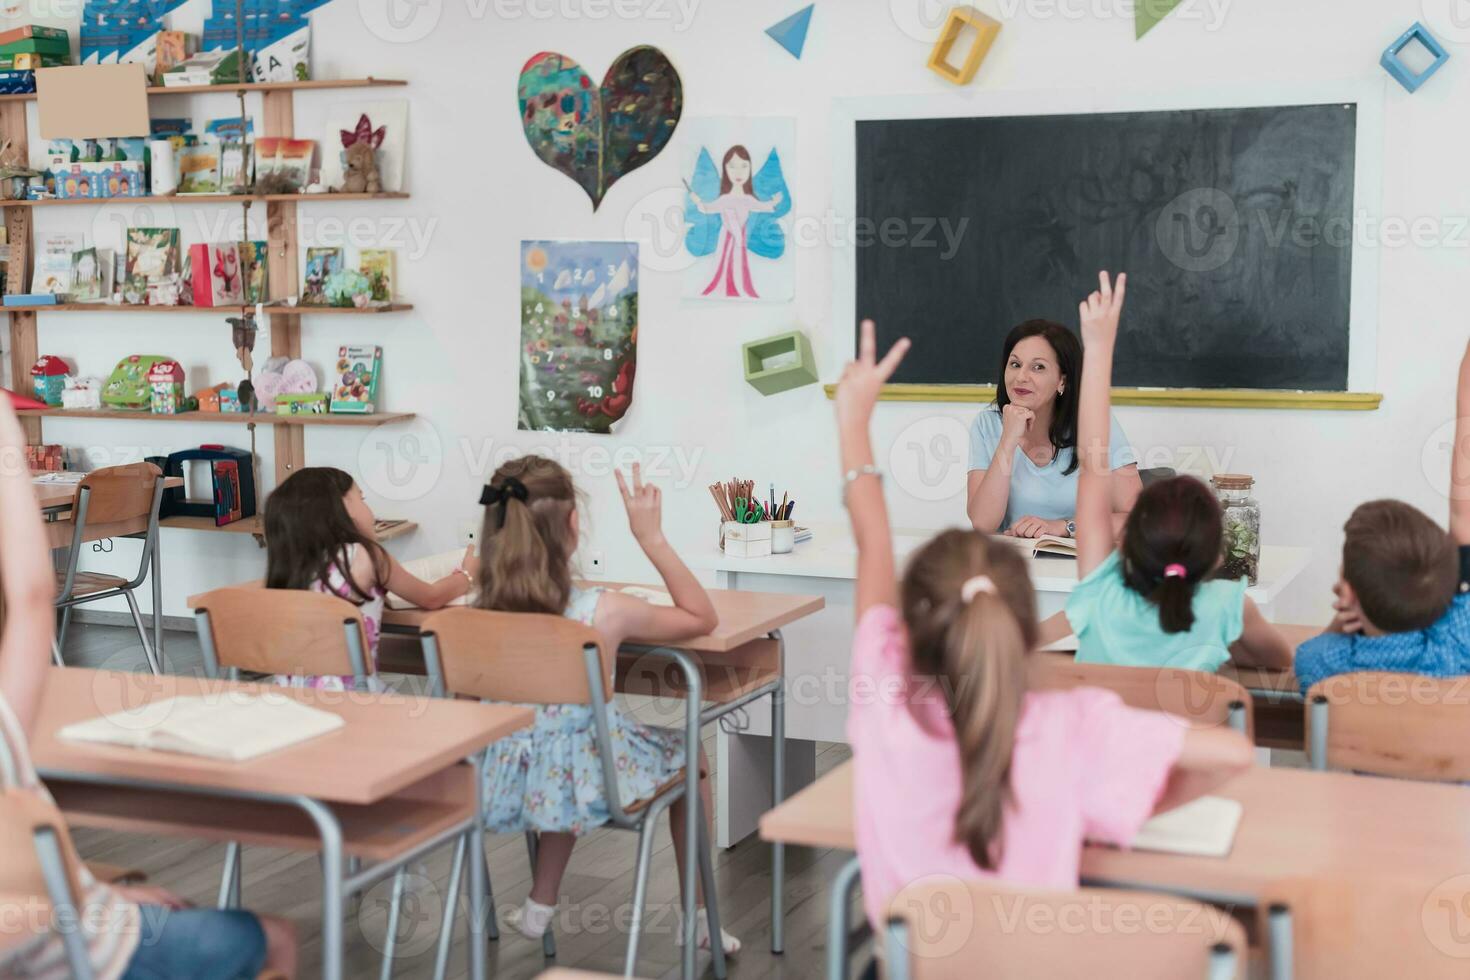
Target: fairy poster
737 232
579 334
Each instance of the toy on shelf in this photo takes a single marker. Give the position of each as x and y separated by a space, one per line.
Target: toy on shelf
986 29
166 388
348 287
315 403
127 387
48 379
215 275
360 167
242 335
207 399
1401 72
83 393
232 474
229 400
282 377
45 459
355 389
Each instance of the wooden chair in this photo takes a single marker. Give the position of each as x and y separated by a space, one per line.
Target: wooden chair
947 929
111 497
1403 725
527 658
1202 699
41 861
1326 928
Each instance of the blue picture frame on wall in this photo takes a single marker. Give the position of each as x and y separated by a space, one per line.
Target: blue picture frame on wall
1407 77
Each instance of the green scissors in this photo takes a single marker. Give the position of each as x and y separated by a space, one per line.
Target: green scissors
744 514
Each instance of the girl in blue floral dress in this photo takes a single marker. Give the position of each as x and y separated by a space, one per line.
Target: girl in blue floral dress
547 778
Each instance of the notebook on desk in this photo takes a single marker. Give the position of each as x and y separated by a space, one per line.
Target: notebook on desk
1047 544
235 727
1200 828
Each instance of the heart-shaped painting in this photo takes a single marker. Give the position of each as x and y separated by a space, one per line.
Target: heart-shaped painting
595 135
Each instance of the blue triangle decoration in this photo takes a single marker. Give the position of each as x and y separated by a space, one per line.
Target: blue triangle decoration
791 32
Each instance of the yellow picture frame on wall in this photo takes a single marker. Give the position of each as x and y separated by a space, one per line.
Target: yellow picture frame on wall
986 28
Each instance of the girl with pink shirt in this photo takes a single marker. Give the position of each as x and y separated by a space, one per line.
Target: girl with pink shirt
959 768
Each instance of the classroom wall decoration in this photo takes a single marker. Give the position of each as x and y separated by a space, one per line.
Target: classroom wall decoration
579 334
599 134
1148 13
736 200
790 32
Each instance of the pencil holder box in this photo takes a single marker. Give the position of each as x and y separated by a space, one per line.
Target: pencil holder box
747 540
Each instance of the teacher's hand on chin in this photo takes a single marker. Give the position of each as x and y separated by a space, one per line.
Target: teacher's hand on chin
1035 527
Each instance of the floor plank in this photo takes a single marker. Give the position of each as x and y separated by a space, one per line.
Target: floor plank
596 894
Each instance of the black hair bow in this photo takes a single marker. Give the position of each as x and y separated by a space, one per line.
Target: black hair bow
509 488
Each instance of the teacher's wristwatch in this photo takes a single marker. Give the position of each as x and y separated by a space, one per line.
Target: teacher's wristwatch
1071 529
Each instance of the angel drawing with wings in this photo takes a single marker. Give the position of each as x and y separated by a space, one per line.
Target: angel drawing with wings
736 210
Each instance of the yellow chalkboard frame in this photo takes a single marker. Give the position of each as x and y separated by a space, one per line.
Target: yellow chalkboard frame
1319 401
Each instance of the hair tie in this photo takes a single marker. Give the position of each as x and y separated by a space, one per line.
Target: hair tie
975 586
1175 570
509 488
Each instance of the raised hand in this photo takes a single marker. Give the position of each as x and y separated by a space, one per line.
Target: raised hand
863 379
644 503
1015 422
1099 313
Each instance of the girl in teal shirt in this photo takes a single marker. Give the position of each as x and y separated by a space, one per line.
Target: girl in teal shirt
1151 602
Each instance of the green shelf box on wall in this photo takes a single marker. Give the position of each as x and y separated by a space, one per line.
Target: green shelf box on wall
779 363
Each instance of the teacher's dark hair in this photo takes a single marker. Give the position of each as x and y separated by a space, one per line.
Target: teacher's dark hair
1063 433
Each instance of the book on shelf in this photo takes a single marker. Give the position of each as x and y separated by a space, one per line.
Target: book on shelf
234 726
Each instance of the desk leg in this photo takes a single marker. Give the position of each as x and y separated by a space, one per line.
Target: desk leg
331 831
778 794
745 775
478 877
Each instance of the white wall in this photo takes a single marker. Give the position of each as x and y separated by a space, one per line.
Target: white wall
478 190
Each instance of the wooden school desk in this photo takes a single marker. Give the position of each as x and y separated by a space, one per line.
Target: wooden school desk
55 501
738 663
387 786
821 645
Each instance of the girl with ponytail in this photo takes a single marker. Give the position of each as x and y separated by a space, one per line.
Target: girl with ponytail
960 769
547 778
1153 601
319 535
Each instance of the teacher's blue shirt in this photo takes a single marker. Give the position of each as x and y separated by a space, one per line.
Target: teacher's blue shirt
1039 491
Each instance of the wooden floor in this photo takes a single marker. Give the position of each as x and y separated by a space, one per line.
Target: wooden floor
596 893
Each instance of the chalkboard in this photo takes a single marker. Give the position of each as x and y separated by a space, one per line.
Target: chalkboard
1234 226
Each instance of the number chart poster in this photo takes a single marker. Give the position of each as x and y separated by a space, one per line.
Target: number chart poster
579 334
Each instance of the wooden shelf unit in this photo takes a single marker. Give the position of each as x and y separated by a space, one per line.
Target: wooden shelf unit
259 418
255 526
277 119
217 310
230 89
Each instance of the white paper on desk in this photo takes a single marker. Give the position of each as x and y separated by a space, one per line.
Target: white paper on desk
654 597
234 727
62 477
430 568
1200 828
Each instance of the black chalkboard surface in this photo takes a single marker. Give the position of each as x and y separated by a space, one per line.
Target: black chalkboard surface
1234 226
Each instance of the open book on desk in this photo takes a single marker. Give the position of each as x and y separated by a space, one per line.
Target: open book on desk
233 726
1203 827
1047 544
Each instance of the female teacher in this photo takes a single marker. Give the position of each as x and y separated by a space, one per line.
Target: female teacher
1023 449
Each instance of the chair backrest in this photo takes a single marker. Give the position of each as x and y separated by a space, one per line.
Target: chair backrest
527 658
1203 699
117 493
282 631
1404 725
39 869
944 928
1334 926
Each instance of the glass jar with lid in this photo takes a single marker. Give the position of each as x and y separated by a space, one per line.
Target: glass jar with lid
1242 514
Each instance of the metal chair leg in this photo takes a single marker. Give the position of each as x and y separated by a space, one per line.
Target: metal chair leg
56 653
711 899
451 907
229 883
640 885
142 632
390 940
61 630
548 938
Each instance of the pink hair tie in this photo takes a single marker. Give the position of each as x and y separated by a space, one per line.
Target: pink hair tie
1175 570
975 586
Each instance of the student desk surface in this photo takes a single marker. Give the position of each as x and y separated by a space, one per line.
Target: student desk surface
54 500
387 786
1296 822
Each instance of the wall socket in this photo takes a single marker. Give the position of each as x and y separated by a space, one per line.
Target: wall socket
469 533
596 564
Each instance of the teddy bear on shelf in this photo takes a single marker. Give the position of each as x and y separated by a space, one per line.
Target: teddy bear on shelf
360 157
